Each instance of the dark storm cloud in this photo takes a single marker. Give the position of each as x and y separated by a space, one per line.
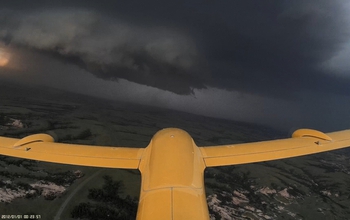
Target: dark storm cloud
277 48
281 63
260 47
155 56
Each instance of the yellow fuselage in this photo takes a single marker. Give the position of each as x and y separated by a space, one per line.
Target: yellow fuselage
172 172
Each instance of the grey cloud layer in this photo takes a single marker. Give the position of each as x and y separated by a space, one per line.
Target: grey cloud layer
247 53
258 47
278 48
154 56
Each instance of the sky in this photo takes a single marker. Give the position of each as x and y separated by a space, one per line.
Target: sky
282 63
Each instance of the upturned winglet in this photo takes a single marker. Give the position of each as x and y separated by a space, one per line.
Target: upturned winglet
33 138
311 133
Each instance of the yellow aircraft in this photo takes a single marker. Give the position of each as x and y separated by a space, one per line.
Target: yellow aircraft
172 165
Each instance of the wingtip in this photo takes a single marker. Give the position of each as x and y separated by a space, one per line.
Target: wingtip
311 133
33 138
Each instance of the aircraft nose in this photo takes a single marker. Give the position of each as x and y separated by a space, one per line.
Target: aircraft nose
175 137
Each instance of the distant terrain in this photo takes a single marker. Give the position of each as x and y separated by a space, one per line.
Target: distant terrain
309 187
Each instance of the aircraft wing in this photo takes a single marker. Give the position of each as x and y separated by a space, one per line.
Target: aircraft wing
303 142
42 147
